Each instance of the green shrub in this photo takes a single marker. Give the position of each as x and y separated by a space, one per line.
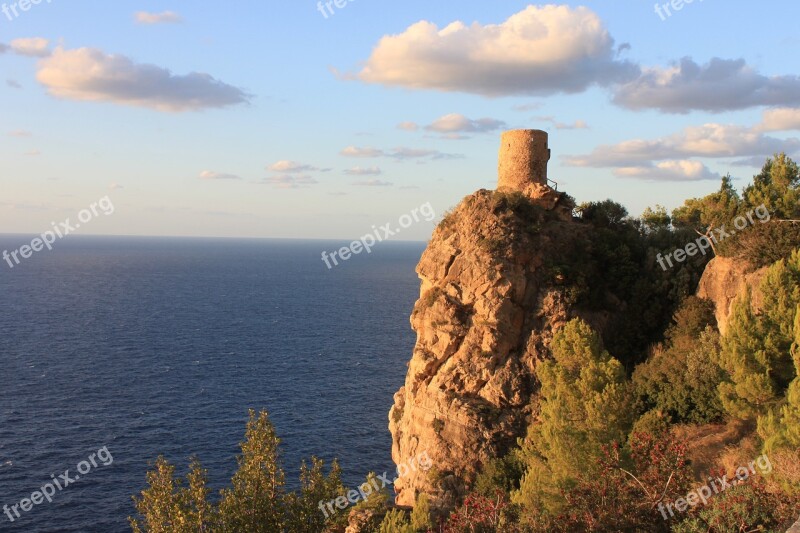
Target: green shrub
421 515
503 473
395 522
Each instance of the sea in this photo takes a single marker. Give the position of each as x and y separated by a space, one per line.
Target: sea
115 350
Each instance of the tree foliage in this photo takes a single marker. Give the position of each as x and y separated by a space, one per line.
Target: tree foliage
585 402
756 349
255 502
681 376
777 187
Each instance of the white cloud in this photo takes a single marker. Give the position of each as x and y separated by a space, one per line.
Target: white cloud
674 170
166 17
709 140
719 85
541 50
29 47
114 186
20 133
408 126
373 183
290 181
291 167
780 119
457 123
361 171
401 153
421 153
211 175
354 151
89 74
577 125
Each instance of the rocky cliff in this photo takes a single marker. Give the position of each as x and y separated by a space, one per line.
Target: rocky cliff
490 299
723 280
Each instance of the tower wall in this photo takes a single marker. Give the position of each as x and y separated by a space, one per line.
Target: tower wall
523 159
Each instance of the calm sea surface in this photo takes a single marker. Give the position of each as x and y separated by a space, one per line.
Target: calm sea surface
159 346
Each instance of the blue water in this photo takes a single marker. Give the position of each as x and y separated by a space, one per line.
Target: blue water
159 346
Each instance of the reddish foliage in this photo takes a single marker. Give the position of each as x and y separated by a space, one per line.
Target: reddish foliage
625 497
478 514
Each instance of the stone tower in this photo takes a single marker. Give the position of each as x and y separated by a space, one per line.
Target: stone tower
523 160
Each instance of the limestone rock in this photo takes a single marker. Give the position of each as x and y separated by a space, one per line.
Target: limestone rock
723 280
490 301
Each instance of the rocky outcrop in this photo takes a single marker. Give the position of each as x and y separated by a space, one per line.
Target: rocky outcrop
723 280
491 297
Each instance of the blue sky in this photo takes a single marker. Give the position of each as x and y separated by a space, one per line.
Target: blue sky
99 99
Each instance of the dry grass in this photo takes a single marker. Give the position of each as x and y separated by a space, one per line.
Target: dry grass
719 446
787 465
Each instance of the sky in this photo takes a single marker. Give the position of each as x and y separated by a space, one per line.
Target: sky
296 120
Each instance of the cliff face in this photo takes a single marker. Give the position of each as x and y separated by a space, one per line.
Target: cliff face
723 280
489 302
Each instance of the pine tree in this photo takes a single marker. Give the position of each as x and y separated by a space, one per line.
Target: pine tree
254 503
585 403
167 507
305 515
756 351
781 427
777 188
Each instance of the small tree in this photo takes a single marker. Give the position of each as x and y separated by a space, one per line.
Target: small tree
654 220
303 509
777 188
166 506
421 515
254 503
481 514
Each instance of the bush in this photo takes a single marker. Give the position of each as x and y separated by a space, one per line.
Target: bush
482 514
631 485
395 522
421 515
502 473
747 507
